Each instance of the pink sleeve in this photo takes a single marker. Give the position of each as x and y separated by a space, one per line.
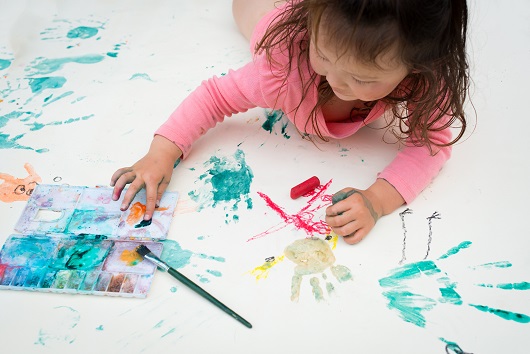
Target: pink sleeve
237 91
414 167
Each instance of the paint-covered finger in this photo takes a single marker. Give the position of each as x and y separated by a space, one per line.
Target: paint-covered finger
120 184
151 193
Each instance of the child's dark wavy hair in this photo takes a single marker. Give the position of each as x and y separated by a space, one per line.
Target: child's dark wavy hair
430 38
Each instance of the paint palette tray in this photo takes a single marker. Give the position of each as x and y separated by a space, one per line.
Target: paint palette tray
76 265
75 210
77 240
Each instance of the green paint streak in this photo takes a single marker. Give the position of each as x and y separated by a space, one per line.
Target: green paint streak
317 290
342 273
141 76
509 286
39 84
159 324
4 64
215 273
273 117
456 249
410 306
330 288
82 32
112 54
502 264
169 332
47 66
174 255
507 315
409 271
50 101
99 328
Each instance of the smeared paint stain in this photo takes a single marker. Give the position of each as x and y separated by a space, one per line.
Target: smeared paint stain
501 264
18 189
456 249
177 257
4 64
273 117
45 66
227 181
508 286
83 255
507 315
136 213
39 84
82 32
99 328
140 76
58 326
130 257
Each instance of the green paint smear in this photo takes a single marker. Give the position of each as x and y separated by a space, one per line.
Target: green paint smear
47 66
99 328
82 32
174 255
39 84
272 118
4 64
507 315
509 286
230 180
215 273
342 273
501 264
456 249
317 290
410 306
408 271
141 76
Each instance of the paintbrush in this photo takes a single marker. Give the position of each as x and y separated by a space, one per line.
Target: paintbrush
147 254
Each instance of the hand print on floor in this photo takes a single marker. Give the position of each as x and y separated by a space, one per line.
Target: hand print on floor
406 287
313 257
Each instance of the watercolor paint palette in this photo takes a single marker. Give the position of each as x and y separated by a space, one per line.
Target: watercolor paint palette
82 210
76 240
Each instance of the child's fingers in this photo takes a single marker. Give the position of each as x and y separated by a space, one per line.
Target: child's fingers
118 174
133 189
356 237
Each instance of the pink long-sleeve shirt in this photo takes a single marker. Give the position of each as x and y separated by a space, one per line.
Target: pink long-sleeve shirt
262 84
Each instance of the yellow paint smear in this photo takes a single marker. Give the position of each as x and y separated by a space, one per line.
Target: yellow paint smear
131 258
262 272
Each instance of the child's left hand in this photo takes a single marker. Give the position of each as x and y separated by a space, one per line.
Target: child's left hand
355 216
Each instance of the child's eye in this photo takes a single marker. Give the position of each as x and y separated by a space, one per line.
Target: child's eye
321 57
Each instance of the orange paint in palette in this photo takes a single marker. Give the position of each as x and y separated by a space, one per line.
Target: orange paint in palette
76 240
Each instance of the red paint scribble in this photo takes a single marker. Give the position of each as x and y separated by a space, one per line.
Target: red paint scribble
303 220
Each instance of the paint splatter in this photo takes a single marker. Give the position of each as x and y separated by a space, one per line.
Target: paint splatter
226 182
303 219
273 117
412 306
26 97
177 257
58 327
141 76
18 189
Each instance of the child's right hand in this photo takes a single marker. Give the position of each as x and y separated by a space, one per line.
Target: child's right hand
153 172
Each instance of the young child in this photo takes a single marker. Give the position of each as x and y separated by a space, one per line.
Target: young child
333 66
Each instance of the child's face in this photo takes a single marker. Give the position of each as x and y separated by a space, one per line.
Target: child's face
351 79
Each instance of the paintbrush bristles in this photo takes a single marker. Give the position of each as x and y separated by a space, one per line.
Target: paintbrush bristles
142 250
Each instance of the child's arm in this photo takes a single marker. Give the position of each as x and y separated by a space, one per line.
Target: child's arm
400 182
354 217
153 172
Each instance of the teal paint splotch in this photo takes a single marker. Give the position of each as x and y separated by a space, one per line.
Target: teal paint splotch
507 315
45 66
273 117
4 64
227 180
82 32
456 249
39 84
177 257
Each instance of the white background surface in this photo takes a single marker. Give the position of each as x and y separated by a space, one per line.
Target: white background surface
481 193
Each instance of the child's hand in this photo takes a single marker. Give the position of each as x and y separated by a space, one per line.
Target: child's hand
354 215
153 172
